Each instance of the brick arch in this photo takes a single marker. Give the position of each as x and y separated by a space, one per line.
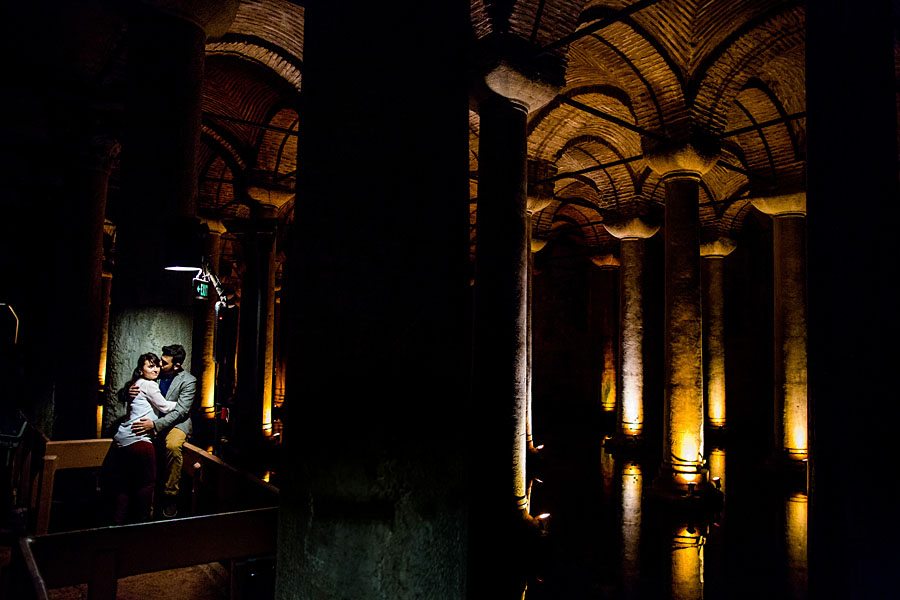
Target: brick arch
284 66
726 70
556 124
643 67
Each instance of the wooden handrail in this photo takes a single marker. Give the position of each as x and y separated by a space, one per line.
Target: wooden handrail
100 556
66 454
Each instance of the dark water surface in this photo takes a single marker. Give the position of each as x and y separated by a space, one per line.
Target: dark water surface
607 539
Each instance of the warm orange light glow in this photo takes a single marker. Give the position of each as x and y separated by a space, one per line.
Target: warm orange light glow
796 511
209 449
796 445
541 447
688 477
267 429
687 564
99 420
543 515
608 377
266 476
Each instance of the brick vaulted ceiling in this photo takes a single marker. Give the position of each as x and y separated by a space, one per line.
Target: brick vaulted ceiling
636 71
646 70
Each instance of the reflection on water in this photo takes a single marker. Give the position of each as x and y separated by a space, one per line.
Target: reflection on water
796 515
632 487
687 564
621 546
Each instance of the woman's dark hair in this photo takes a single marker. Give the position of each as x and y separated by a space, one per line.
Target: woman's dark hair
139 369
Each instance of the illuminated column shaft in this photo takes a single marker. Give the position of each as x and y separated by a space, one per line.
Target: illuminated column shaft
501 287
205 369
606 306
540 190
257 243
712 277
632 234
789 231
534 247
683 416
269 361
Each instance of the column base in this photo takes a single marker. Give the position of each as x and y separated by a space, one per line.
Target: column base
691 498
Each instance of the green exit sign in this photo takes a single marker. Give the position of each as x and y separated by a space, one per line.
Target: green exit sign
201 289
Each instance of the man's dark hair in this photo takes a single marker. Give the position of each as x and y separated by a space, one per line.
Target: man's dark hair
176 351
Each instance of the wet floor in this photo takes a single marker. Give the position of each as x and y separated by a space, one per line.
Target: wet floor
609 539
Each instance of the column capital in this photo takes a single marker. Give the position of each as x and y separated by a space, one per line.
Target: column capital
606 261
519 88
782 205
215 226
270 196
718 247
638 228
682 159
537 245
540 192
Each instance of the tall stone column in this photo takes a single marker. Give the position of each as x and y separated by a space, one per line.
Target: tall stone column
682 449
534 246
712 279
374 479
606 305
540 195
78 239
157 215
630 414
205 327
257 237
500 360
789 235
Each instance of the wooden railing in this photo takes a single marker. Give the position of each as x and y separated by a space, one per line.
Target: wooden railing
70 454
99 557
236 518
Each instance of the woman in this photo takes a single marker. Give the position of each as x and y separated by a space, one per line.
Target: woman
134 466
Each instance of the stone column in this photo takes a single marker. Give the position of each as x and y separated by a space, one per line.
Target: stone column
682 458
540 195
604 302
712 280
534 246
500 360
78 327
374 481
152 307
630 414
205 326
789 236
271 200
257 236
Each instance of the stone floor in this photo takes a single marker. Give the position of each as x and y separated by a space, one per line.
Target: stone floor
200 582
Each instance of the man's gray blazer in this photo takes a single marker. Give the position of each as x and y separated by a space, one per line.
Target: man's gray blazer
182 391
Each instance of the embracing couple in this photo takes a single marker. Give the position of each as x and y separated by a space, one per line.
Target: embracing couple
157 402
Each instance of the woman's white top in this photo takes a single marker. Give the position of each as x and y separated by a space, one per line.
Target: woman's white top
149 403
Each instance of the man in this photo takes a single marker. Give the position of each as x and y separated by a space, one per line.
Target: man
179 386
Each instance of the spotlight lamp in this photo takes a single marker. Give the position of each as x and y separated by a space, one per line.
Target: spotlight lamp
205 277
